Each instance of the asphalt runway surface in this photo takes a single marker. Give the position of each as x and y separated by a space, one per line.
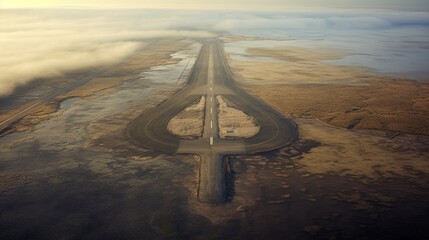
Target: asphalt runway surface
211 77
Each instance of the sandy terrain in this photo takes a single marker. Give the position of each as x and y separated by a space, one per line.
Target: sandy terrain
400 106
300 65
362 154
234 123
302 86
189 123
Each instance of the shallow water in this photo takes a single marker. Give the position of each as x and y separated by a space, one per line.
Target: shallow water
237 50
395 53
174 73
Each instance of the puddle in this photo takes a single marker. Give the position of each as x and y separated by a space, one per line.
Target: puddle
174 73
237 50
68 102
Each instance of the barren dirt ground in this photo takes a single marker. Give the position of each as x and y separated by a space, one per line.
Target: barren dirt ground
234 123
189 123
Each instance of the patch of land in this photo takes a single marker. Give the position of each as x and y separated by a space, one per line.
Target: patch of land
300 65
189 123
361 154
234 123
387 105
303 86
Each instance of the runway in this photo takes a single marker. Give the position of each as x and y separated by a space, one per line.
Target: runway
211 77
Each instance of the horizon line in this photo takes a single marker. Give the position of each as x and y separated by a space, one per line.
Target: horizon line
291 9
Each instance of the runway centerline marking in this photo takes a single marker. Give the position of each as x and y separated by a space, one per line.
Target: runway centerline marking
211 141
211 124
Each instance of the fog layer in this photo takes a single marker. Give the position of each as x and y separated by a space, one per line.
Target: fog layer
48 43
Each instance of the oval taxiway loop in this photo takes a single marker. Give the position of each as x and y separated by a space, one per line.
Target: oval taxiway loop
210 77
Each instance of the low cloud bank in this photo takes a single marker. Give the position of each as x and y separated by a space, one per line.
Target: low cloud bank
322 21
42 43
25 67
48 43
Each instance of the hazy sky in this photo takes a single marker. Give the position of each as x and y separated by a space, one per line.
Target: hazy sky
223 4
